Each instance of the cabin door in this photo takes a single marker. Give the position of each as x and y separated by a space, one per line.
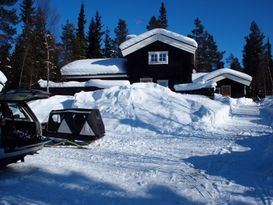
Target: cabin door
226 90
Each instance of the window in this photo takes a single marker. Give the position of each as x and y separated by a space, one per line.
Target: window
18 112
164 83
158 57
146 80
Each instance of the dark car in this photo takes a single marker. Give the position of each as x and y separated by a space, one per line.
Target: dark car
20 130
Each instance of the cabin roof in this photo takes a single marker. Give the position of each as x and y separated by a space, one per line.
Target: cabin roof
223 73
99 66
174 39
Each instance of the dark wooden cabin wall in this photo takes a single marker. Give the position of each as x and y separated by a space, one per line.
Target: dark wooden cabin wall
178 70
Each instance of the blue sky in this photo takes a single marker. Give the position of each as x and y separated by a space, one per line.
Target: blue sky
227 20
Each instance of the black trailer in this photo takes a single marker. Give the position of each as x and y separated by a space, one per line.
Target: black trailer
20 130
75 124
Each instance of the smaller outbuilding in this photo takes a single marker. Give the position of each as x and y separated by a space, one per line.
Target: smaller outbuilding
225 81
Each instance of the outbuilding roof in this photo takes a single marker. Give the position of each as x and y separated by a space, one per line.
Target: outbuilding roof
223 73
94 67
163 35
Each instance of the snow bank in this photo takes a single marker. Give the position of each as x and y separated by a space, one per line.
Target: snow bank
3 80
267 110
243 101
145 105
90 83
95 67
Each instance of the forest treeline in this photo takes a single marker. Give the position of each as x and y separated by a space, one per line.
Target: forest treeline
34 53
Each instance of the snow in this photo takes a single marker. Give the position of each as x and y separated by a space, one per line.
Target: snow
160 147
3 80
158 34
95 67
194 86
223 73
209 80
90 83
165 32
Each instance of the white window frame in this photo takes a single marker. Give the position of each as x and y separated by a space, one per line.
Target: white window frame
158 60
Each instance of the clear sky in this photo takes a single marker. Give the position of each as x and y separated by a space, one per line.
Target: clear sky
227 20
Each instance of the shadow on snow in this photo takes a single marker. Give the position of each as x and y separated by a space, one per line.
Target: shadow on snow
39 187
251 168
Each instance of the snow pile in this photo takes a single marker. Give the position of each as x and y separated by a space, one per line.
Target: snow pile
146 105
234 101
90 83
95 67
267 109
158 149
3 80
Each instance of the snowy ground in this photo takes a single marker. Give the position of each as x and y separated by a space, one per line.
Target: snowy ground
160 148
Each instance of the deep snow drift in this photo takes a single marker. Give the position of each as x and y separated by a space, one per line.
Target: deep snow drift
160 148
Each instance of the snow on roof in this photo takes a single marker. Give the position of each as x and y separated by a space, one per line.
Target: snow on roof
165 36
223 73
197 75
94 67
90 83
194 86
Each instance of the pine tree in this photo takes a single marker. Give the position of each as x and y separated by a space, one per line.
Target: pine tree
153 23
266 69
8 21
95 37
108 45
234 63
121 32
198 33
22 59
162 18
252 58
208 57
161 21
214 57
67 39
80 45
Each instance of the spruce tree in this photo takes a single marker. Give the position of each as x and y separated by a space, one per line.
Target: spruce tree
198 33
121 32
22 58
95 37
80 45
162 18
8 21
234 63
153 23
213 56
161 21
252 58
208 57
108 45
266 69
66 47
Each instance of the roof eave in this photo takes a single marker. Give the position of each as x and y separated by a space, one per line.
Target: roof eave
158 37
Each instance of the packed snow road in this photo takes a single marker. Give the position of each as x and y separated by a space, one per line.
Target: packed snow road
160 148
